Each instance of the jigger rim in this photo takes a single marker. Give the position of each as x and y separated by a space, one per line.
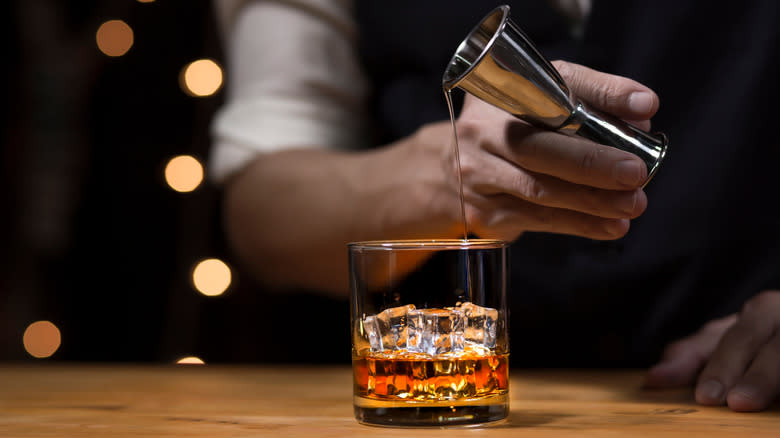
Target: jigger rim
453 83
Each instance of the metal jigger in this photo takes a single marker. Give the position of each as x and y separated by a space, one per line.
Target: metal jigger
499 64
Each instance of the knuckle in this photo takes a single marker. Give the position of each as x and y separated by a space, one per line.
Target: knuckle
494 217
487 216
500 223
468 130
564 69
469 166
531 189
474 216
608 94
589 158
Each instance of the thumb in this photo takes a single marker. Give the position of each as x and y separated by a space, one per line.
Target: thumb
616 95
683 359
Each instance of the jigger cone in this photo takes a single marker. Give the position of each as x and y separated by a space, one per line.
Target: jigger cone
500 65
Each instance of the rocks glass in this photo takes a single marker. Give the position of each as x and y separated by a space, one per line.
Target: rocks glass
429 331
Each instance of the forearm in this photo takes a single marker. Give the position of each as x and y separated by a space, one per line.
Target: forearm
290 214
287 218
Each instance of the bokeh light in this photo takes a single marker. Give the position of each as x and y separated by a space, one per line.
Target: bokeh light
183 173
145 1
201 78
114 38
190 360
211 277
41 339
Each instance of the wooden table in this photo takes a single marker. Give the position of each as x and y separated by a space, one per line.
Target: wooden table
223 401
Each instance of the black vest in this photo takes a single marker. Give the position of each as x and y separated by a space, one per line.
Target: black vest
710 237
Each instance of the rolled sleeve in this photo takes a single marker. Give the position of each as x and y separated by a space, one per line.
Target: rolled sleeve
293 80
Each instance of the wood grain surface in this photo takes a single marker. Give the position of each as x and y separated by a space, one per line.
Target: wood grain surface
224 401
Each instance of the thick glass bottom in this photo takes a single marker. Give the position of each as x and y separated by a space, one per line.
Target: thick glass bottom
427 415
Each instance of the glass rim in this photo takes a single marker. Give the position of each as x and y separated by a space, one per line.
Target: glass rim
428 244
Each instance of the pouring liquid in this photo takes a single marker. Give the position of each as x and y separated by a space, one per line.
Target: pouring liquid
448 97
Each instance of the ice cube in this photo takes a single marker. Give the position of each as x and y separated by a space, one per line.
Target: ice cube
480 324
360 342
435 331
473 349
371 328
387 330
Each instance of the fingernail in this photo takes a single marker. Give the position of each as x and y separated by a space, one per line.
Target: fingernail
640 102
628 204
745 397
629 173
710 392
746 391
617 227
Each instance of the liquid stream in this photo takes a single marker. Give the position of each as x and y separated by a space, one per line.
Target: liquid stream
448 97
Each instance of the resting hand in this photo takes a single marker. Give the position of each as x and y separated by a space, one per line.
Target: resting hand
734 360
520 178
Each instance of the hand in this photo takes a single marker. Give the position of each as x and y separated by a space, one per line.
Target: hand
736 358
520 178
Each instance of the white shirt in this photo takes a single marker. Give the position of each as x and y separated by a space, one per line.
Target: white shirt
293 79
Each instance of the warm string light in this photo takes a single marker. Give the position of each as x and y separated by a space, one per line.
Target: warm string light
183 173
190 360
41 339
211 277
114 38
201 78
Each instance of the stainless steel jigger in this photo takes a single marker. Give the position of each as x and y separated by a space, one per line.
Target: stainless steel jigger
499 64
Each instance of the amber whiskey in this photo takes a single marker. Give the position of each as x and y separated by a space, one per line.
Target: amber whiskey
411 376
402 387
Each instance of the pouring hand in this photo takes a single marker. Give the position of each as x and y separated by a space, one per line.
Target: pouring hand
521 178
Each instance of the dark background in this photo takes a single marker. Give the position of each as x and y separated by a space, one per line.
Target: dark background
91 237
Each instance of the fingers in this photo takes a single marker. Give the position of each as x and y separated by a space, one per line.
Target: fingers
760 385
505 217
496 176
682 360
570 158
743 370
522 178
741 353
613 94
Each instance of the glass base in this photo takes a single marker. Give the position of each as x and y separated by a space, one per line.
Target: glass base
481 411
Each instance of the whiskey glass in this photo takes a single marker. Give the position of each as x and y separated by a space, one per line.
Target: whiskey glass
430 342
